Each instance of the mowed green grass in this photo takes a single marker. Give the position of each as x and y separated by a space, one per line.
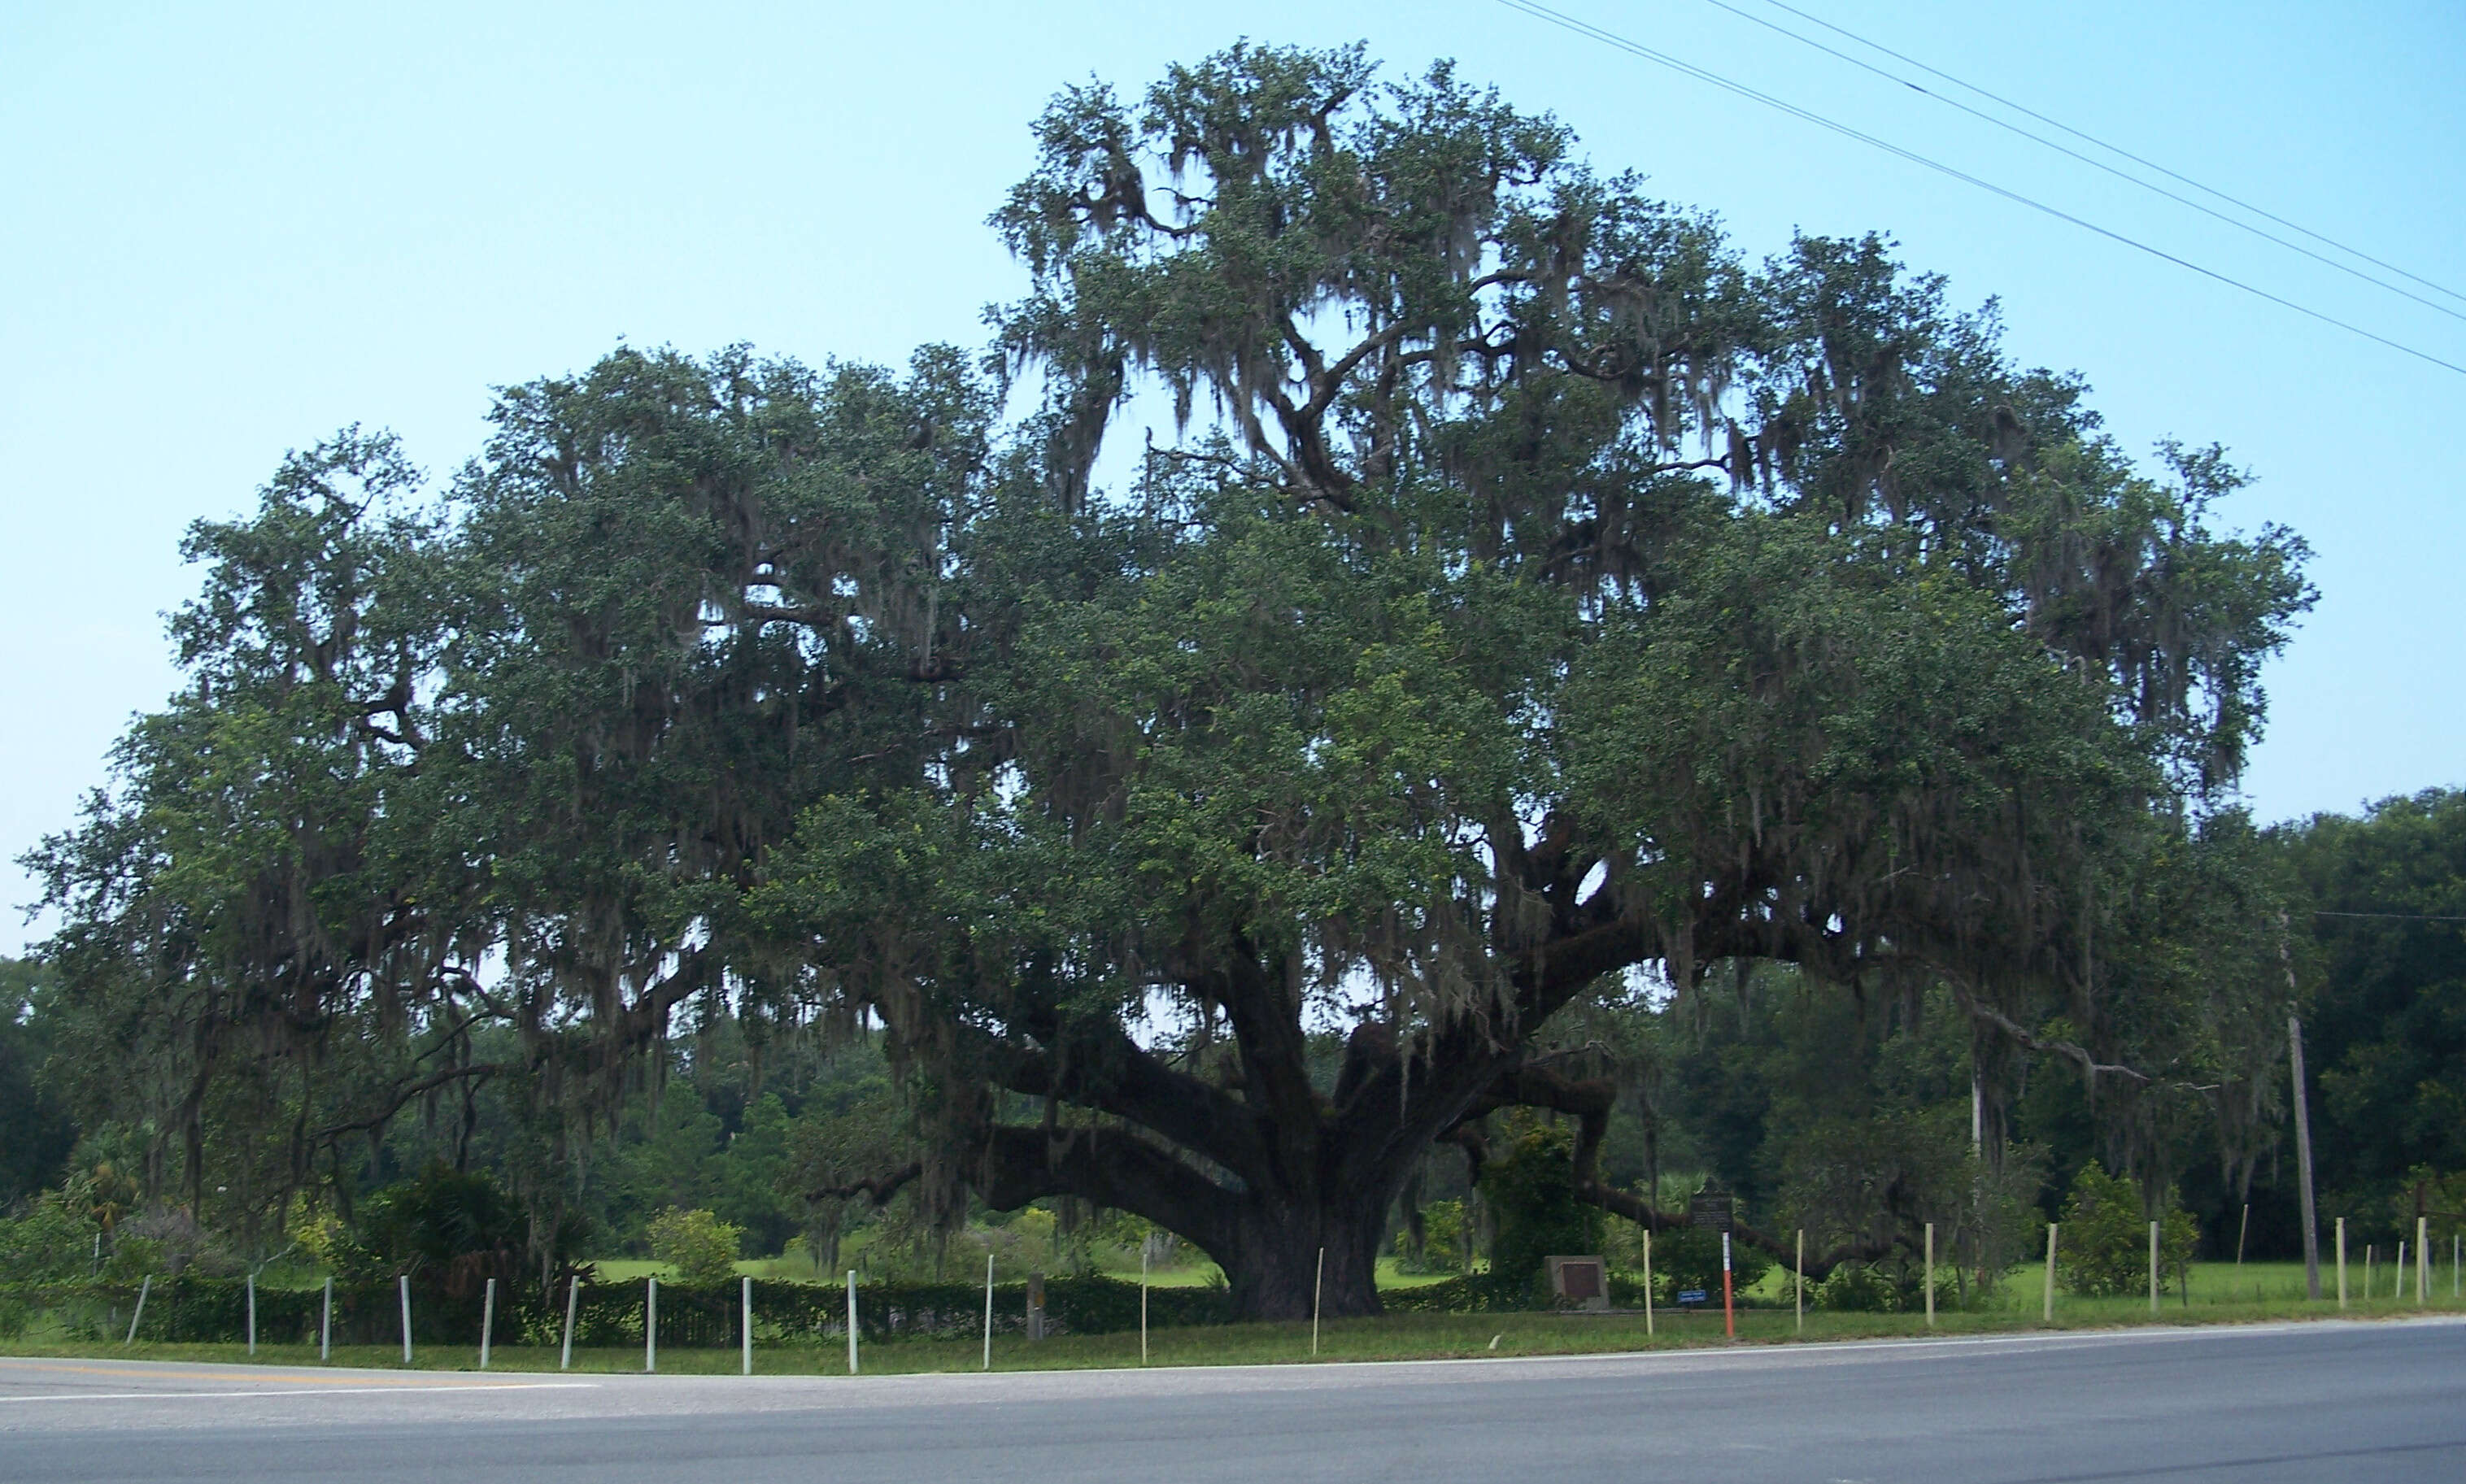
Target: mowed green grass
2220 1293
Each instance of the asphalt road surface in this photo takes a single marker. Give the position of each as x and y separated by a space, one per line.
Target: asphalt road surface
2303 1402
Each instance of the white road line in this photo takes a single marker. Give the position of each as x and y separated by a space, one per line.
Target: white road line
182 1396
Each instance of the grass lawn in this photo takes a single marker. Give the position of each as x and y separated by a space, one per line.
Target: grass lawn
2220 1293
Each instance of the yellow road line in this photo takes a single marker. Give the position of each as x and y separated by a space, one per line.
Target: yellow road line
136 1368
353 1390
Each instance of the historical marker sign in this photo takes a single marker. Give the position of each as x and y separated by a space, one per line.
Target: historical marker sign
1708 1212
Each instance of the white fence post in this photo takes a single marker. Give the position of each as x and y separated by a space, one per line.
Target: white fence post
1143 1304
573 1296
989 1311
487 1322
1319 1282
252 1316
2153 1267
1930 1275
326 1325
403 1285
2422 1257
1800 1287
143 1289
746 1319
651 1325
851 1321
2341 1263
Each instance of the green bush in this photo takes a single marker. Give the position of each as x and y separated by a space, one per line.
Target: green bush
1691 1258
447 1222
1892 1287
1445 1246
2103 1245
700 1246
1857 1288
50 1242
1531 1193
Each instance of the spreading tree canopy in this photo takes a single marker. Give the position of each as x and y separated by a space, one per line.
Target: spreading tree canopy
1530 602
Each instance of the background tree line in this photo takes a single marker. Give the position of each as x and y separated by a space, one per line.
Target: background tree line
1809 1107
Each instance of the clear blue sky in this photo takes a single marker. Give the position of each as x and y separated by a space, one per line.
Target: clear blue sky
226 231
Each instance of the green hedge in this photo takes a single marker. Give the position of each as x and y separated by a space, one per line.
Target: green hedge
214 1310
691 1315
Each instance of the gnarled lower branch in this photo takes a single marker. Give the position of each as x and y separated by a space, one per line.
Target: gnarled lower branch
877 1188
1590 1102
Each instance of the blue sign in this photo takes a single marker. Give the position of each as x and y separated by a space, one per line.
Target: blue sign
1691 1295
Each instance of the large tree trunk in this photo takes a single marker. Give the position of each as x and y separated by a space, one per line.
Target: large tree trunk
1274 1253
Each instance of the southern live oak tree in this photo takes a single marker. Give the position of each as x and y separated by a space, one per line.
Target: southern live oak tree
1531 595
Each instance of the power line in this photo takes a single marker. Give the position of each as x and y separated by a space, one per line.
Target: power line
2115 149
2095 164
1611 38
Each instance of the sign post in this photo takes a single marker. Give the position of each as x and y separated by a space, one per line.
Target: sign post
1710 1210
1728 1315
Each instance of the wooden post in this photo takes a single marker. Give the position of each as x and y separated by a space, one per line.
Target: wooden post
988 1310
143 1289
1143 1302
1800 1285
1930 1275
487 1322
2397 1274
650 1325
402 1285
1647 1282
1318 1283
2422 1257
2341 1263
1035 1306
252 1315
2050 1273
2242 1232
326 1325
2153 1267
851 1321
573 1298
2369 1255
745 1323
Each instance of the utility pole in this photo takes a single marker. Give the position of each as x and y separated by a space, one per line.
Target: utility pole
2302 1119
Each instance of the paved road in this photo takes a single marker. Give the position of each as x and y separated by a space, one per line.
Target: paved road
2311 1402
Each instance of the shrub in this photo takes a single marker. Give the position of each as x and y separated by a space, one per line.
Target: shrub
1690 1257
2103 1247
50 1242
1444 1248
700 1246
462 1226
1896 1286
1857 1288
1531 1193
